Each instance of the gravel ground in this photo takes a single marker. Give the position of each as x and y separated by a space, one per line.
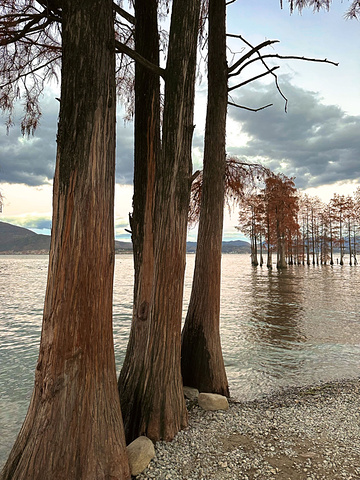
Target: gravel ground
300 433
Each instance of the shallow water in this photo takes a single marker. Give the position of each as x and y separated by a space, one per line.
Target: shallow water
294 327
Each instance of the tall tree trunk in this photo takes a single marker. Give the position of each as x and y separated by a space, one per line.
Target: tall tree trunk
147 151
156 405
73 428
201 356
269 254
350 250
331 244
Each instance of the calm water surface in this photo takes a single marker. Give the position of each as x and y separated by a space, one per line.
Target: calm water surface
295 327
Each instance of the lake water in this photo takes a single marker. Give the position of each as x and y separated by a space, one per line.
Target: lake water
294 327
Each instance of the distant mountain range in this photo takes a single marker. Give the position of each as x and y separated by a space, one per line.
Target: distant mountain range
21 241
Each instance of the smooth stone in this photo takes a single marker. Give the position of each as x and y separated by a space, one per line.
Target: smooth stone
140 452
212 401
191 393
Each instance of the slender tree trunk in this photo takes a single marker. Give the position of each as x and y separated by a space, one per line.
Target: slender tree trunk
147 151
201 356
269 256
341 241
73 429
155 401
354 244
331 245
254 262
350 250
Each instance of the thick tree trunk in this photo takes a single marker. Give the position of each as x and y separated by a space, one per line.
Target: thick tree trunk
147 151
201 357
155 402
73 428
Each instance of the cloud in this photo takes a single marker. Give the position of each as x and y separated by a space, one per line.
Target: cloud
32 222
316 143
31 160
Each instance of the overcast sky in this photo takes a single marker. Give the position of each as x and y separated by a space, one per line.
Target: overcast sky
317 140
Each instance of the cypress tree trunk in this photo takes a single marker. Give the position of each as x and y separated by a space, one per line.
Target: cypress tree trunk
155 402
73 428
201 357
147 151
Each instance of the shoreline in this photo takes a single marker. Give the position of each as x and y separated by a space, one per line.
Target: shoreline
299 433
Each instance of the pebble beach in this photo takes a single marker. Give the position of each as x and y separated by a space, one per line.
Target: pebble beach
307 433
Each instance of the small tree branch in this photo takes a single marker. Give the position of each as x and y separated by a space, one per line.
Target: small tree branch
196 174
250 53
123 13
252 79
120 47
250 109
295 57
31 71
31 27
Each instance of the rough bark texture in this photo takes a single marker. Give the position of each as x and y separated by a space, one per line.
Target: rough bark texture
155 400
73 428
201 357
147 151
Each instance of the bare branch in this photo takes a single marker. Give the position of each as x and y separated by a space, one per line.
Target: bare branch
31 27
123 13
251 52
253 79
120 47
295 57
250 109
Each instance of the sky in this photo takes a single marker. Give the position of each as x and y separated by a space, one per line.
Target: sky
317 141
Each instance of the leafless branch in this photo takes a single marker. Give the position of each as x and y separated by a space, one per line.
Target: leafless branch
252 79
251 52
248 108
120 47
123 13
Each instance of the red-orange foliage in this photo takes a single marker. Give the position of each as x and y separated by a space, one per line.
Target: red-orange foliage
241 178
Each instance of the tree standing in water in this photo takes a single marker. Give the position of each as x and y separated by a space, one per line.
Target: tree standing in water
203 367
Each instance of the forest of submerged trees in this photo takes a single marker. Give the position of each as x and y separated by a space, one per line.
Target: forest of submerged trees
298 228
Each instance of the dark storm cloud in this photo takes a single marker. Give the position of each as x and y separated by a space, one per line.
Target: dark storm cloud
124 153
316 143
31 160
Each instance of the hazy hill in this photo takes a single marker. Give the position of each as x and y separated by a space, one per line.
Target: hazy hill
19 240
15 239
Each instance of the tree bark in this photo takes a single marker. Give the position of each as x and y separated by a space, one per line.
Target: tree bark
155 402
201 357
73 428
147 151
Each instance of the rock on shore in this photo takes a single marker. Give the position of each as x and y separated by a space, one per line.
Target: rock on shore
308 433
